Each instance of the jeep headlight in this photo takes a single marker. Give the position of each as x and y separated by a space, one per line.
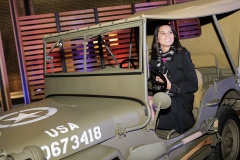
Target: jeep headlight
29 152
162 100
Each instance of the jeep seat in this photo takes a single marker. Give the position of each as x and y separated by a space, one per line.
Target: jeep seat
199 60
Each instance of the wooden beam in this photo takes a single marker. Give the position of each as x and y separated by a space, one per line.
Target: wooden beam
26 7
19 48
6 102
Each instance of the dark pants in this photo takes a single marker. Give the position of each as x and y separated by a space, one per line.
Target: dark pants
179 115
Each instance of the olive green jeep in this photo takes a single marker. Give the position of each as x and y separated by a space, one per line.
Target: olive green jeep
96 92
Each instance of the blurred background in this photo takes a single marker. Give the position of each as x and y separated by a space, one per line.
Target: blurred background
41 7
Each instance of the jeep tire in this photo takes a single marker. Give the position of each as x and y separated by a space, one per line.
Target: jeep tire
228 129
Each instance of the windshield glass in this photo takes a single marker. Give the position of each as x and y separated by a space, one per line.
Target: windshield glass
93 50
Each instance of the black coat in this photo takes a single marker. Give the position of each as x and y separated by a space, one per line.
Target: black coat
181 73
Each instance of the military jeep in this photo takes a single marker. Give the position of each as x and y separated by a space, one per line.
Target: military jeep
97 86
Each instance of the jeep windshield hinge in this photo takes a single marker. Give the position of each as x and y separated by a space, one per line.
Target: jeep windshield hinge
121 131
56 44
49 59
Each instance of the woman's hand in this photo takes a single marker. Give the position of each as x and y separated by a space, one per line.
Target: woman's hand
169 84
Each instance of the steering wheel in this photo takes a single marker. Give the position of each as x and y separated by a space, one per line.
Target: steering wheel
156 85
129 60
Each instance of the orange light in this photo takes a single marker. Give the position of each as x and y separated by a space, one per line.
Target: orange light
113 39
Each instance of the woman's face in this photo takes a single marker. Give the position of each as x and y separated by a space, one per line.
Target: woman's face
165 37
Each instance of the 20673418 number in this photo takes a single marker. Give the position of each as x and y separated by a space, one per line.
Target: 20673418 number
58 148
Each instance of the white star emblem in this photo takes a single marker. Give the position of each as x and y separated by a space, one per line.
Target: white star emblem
29 114
22 116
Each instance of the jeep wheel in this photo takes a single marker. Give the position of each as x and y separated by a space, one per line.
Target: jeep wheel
228 128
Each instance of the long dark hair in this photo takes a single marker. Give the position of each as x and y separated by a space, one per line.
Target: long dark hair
156 45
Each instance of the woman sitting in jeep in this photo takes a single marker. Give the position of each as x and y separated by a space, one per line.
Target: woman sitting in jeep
174 61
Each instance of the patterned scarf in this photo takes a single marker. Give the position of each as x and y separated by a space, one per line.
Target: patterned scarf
164 57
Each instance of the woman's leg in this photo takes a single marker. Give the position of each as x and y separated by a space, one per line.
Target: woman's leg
175 117
150 101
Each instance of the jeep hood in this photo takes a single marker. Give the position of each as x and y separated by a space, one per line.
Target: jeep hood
64 125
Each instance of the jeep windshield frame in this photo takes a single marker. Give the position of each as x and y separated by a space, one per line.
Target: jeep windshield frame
50 42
